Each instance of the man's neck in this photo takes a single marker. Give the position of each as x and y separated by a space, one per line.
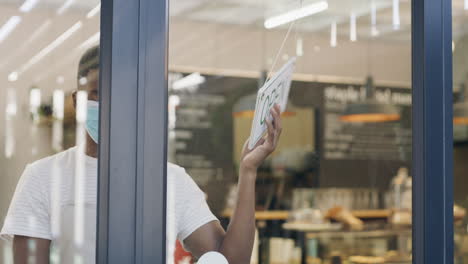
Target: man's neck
91 147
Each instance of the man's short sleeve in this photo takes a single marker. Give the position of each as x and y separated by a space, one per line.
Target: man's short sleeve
193 211
28 214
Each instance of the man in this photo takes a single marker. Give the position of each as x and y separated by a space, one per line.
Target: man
29 220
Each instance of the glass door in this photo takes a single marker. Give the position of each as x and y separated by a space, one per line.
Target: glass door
338 187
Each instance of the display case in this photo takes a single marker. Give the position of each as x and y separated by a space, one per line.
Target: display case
383 245
374 245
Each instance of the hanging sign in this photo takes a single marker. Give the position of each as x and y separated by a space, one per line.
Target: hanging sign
274 91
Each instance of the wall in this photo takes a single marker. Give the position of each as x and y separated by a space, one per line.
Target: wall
237 49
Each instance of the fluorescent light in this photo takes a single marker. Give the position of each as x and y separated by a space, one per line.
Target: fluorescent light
90 41
10 113
37 32
83 81
352 27
8 27
58 104
299 47
12 77
11 108
94 11
333 34
191 80
396 14
41 54
296 14
466 4
28 5
81 103
374 31
26 43
34 100
65 7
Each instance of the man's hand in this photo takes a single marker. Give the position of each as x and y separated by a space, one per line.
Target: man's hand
236 244
252 159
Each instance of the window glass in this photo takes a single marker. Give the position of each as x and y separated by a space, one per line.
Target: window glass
49 68
337 188
460 128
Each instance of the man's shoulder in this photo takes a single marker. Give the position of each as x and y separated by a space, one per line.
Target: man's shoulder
59 159
173 168
176 175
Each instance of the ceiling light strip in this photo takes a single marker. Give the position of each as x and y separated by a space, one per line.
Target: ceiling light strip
352 27
28 5
70 58
190 80
94 11
65 7
60 65
41 54
374 31
333 34
296 14
396 14
90 41
25 44
8 27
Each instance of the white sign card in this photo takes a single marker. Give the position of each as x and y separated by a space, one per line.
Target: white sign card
274 91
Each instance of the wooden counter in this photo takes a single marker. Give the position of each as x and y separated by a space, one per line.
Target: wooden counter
283 215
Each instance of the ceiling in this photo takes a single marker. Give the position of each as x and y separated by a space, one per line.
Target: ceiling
30 51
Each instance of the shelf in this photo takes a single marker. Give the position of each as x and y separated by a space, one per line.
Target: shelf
263 215
283 215
360 234
369 214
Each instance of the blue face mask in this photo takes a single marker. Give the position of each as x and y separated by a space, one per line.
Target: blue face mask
92 120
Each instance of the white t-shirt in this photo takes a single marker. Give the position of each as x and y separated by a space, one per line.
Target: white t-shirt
44 206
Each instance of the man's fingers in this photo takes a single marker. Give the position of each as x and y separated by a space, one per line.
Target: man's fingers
277 109
275 116
278 121
246 143
260 142
271 131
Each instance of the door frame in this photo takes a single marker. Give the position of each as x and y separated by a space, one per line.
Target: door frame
133 132
432 132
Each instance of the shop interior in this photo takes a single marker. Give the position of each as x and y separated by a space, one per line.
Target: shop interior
337 189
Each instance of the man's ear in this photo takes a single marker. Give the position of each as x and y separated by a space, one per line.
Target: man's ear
74 99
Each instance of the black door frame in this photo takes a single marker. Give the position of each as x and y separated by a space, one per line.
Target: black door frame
432 132
133 132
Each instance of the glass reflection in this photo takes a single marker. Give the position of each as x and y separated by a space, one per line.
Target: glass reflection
49 168
460 129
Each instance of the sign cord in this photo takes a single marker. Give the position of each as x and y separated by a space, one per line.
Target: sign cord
282 46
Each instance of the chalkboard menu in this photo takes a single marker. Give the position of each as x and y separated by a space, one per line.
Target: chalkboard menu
193 131
365 141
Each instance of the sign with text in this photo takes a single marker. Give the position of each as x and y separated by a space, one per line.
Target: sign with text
274 91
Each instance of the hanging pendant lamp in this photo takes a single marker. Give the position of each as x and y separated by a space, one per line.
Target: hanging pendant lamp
370 111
